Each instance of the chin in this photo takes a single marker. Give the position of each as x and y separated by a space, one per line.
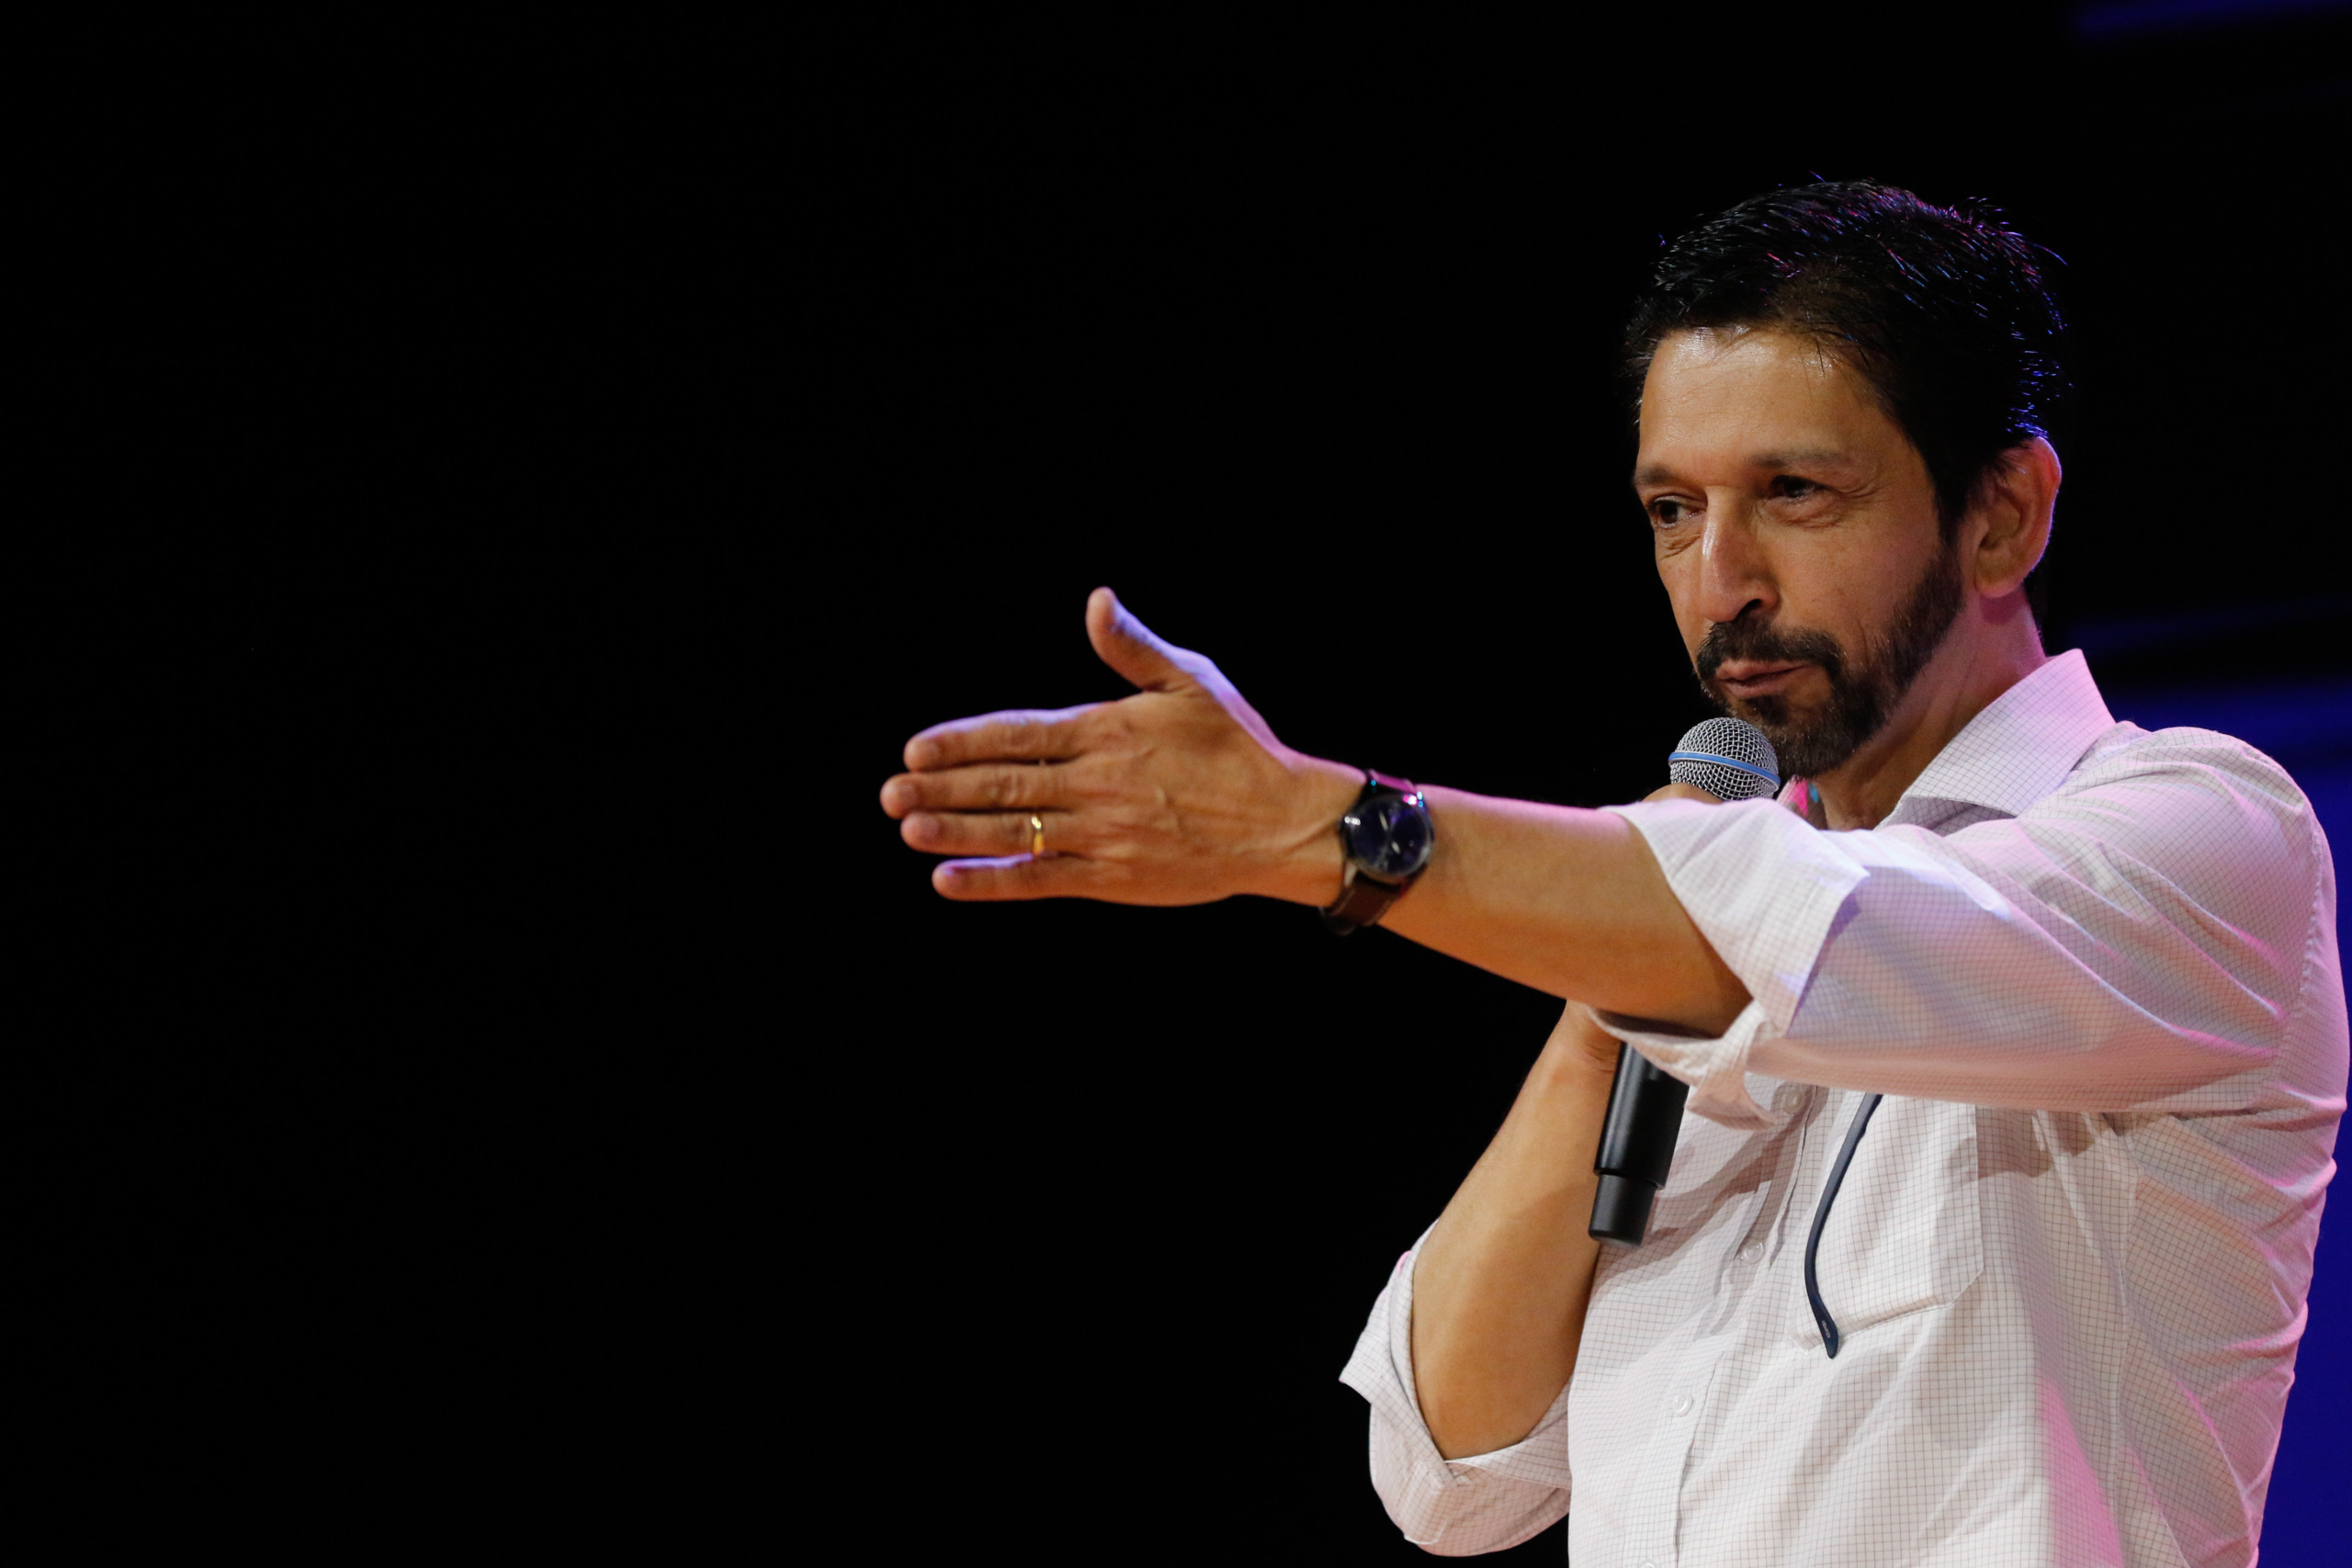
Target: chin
1771 715
1805 747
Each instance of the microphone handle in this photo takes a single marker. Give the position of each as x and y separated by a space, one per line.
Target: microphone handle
1636 1147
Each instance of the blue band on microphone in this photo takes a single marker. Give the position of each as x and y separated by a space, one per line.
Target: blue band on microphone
1674 757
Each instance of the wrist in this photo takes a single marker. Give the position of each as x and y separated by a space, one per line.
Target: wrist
1308 865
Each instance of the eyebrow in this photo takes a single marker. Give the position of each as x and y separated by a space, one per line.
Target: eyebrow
1658 474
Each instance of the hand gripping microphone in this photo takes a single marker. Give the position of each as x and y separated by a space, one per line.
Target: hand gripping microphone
1728 758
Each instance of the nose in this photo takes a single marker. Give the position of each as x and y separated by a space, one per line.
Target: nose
1735 579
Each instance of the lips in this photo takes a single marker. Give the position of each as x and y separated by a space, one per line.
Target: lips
1755 678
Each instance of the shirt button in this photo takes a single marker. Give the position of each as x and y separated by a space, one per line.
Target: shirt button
1650 1562
1682 1403
1751 1252
1790 1099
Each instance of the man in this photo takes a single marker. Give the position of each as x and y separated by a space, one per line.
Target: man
2048 1313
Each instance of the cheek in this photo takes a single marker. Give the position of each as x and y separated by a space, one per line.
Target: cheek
1868 565
1854 603
1831 590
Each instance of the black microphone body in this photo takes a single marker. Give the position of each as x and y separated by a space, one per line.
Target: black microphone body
1729 759
1636 1147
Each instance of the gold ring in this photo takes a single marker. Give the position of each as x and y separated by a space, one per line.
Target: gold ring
1036 836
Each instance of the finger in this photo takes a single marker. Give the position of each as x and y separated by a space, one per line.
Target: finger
993 832
1018 877
1023 735
1678 790
980 786
1129 647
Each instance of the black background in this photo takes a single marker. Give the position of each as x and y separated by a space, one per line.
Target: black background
528 491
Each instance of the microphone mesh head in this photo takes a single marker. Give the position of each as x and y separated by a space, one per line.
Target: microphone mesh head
1726 758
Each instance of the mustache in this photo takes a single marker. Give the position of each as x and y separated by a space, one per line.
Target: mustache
1768 644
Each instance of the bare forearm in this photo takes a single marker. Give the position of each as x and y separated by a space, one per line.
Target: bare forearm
1501 1286
1570 902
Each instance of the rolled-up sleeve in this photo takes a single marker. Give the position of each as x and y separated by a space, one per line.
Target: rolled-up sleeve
1452 1507
2134 940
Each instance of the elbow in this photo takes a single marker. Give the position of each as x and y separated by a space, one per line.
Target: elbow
1451 1515
1441 1548
1433 1526
1417 1498
1457 1533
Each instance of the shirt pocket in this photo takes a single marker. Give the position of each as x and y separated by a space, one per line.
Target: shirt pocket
1905 1232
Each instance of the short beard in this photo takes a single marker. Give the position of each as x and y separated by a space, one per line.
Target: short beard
1862 693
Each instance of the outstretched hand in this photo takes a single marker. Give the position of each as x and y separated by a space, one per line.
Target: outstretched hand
1178 794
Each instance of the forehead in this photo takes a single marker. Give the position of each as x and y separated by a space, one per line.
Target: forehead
1733 395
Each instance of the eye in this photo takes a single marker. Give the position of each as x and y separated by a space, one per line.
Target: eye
1788 487
1667 512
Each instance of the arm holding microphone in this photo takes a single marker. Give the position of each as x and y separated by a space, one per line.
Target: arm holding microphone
1502 1281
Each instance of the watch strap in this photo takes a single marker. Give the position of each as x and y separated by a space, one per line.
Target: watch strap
1363 900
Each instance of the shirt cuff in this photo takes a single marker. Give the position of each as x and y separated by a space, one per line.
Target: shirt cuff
1766 888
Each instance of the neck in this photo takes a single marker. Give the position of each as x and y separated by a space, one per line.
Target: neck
1993 644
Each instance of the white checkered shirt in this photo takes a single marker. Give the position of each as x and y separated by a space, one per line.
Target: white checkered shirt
2094 971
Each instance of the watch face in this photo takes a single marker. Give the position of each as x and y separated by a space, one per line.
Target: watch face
1389 834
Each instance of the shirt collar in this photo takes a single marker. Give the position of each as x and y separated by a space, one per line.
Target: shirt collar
2023 745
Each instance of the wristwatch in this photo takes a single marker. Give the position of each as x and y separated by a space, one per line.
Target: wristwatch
1385 838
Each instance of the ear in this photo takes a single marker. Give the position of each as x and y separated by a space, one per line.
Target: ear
2016 506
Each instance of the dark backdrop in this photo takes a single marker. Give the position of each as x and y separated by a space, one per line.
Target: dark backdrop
587 463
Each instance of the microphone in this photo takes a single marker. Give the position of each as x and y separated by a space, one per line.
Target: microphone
1733 760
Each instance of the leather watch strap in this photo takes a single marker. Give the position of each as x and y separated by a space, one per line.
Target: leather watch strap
1363 900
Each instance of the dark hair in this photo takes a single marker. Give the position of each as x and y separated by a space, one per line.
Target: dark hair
1942 311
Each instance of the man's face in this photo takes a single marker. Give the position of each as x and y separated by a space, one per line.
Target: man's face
1795 530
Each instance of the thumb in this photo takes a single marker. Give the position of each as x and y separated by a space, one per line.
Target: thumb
1129 647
